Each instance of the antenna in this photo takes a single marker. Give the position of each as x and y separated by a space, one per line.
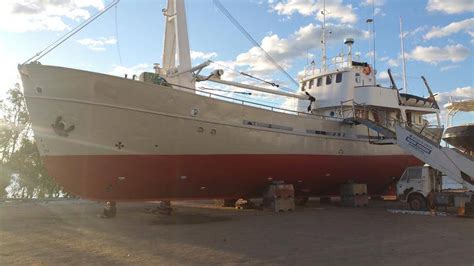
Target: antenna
373 35
405 85
372 38
323 12
349 42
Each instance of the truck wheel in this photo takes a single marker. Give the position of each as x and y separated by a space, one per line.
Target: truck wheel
417 202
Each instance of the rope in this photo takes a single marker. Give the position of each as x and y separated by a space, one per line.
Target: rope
248 76
226 13
68 35
117 37
238 92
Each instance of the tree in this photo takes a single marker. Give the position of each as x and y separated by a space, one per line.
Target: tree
20 162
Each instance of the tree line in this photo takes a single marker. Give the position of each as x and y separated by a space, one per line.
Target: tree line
22 174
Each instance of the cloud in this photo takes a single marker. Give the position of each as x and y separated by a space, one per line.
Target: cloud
286 50
39 15
98 44
451 6
393 62
461 93
446 68
336 10
373 2
202 55
130 71
434 55
466 25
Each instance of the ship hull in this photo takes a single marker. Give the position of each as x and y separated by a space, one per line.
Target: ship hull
151 177
461 136
109 138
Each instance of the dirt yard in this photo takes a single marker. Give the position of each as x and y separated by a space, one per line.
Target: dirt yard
69 232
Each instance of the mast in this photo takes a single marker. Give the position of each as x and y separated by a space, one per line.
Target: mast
323 12
176 45
405 85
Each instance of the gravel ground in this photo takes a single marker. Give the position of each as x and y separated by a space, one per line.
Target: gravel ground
69 232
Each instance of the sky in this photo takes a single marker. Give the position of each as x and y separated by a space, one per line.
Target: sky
438 38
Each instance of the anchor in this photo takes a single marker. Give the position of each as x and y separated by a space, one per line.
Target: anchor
60 127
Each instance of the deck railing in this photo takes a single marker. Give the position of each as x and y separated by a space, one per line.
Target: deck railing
362 111
333 63
255 104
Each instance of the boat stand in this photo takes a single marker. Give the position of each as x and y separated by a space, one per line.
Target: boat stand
110 210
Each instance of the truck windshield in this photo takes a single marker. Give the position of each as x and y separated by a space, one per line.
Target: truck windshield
414 173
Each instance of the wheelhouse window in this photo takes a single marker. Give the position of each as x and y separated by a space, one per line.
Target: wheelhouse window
319 82
303 86
328 79
357 77
338 77
311 83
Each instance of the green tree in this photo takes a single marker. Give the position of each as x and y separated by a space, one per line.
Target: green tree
20 162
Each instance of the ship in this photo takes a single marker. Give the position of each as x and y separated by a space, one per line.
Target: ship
459 136
159 137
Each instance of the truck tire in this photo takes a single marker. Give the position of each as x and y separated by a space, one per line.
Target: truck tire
417 202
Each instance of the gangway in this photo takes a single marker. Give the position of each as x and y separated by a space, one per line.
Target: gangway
458 166
421 142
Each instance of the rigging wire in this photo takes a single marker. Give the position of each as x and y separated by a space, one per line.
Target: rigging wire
117 37
237 92
229 16
68 35
248 76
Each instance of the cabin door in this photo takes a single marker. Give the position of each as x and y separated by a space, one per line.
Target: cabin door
409 119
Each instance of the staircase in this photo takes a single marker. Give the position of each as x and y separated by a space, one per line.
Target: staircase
455 165
424 144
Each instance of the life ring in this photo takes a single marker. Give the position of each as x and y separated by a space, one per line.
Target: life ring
367 70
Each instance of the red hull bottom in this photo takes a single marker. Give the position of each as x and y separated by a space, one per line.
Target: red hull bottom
155 177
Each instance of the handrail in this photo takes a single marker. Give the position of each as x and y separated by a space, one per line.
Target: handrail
332 63
361 111
250 103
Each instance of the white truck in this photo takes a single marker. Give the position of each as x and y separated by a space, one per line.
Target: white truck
422 188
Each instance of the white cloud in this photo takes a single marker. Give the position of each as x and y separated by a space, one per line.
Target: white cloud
434 55
413 33
130 71
383 75
446 68
336 9
466 25
286 50
450 6
393 62
98 44
202 55
373 2
461 93
38 15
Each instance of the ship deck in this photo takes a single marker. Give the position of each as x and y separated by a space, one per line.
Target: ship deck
69 232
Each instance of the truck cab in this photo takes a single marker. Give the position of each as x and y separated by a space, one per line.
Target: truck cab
422 187
416 184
